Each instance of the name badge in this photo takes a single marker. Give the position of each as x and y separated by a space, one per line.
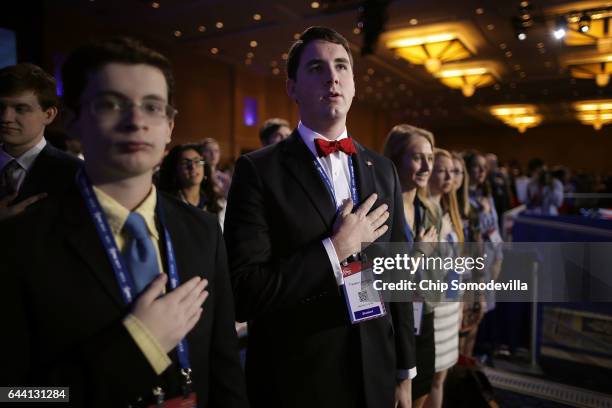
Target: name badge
362 300
417 309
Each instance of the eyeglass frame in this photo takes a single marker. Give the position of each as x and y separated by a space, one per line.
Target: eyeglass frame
127 105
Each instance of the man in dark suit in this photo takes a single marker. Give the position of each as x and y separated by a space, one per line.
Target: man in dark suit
30 168
91 309
290 221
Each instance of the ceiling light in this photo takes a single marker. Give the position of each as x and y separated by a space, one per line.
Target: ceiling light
256 17
584 24
560 27
219 24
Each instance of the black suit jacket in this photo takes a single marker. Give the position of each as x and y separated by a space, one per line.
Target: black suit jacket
303 351
53 172
63 310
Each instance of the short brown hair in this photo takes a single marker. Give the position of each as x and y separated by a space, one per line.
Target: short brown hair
89 58
270 126
309 35
24 77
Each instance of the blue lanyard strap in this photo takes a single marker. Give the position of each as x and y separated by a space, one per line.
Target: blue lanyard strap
122 275
330 186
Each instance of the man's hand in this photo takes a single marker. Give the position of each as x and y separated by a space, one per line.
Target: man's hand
7 211
352 229
403 394
170 317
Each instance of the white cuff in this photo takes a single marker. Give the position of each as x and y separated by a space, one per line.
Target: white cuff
333 259
412 372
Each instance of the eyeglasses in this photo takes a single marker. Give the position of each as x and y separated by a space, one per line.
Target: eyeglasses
113 107
186 163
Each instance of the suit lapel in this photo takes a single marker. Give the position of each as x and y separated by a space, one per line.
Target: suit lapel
36 175
82 236
364 173
299 161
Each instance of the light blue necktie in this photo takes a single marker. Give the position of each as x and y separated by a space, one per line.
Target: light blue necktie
139 253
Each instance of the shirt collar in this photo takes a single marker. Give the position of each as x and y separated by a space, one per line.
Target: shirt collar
308 136
116 214
27 159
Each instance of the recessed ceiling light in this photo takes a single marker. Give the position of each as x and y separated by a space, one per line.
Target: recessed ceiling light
356 31
250 55
276 71
285 56
490 27
480 10
256 17
214 50
155 5
540 45
177 33
508 54
315 5
201 28
503 46
219 24
253 44
273 64
413 21
370 71
296 36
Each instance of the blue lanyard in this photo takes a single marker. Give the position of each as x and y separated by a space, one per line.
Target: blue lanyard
121 273
330 186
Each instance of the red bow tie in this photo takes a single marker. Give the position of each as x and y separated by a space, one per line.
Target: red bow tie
325 148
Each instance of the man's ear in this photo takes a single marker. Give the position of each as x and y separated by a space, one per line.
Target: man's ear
50 114
171 128
290 86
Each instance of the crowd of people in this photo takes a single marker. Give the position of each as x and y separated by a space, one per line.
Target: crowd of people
118 281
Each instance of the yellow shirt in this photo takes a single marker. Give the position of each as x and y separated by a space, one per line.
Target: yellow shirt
116 215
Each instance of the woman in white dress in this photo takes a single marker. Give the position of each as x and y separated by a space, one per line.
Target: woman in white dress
447 312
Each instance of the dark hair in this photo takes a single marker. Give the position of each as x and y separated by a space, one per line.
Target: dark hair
309 35
168 180
533 165
89 58
24 77
270 127
470 160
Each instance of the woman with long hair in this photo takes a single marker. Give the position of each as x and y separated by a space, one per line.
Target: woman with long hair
446 313
483 207
411 150
186 175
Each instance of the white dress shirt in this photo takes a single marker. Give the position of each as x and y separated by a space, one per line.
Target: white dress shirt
25 161
336 168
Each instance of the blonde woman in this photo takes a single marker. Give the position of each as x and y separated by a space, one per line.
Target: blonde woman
446 313
411 150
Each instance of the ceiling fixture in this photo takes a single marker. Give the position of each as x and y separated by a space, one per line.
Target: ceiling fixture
521 117
586 27
219 24
596 113
468 78
598 67
584 24
430 51
560 27
256 16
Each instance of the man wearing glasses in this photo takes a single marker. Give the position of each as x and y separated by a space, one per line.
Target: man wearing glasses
30 168
112 305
